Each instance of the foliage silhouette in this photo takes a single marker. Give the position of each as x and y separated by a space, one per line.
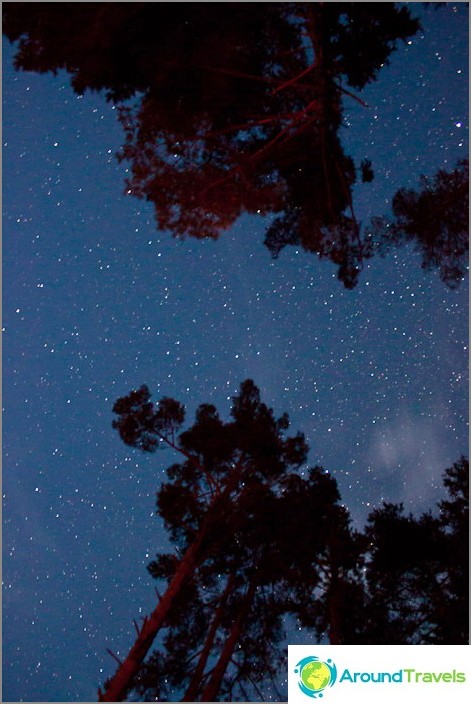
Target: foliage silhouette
417 573
265 569
435 219
205 503
234 108
236 506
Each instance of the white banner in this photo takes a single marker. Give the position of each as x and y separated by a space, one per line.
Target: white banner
360 674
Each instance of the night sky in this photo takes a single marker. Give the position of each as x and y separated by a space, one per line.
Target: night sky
97 302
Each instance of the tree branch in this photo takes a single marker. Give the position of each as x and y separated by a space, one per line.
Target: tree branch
120 662
351 95
293 80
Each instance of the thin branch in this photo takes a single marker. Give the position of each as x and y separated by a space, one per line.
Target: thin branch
257 690
212 485
251 123
120 662
351 95
244 693
295 79
239 74
206 493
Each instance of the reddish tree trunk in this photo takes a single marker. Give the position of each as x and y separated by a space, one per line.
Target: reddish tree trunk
211 690
122 680
195 682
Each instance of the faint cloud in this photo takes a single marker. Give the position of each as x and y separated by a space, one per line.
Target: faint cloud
408 454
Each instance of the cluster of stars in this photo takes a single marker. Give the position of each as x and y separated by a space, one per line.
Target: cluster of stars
98 303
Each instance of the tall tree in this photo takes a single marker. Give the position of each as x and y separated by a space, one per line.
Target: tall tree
417 570
223 464
274 564
404 580
235 108
324 581
237 510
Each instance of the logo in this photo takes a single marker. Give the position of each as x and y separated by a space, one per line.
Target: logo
370 674
315 675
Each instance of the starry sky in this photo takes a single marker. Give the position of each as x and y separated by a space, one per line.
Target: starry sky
97 302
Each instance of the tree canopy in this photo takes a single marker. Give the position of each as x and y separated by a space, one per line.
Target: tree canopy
435 219
236 507
417 575
217 504
229 108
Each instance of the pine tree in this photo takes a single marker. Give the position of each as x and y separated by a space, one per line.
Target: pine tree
238 510
235 108
225 464
417 570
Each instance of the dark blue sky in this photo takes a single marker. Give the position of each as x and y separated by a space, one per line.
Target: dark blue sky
97 302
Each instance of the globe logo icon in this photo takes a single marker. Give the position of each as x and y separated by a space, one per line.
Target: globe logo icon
315 675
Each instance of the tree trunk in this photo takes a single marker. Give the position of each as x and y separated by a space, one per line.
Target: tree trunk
195 681
334 609
121 682
336 594
211 690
